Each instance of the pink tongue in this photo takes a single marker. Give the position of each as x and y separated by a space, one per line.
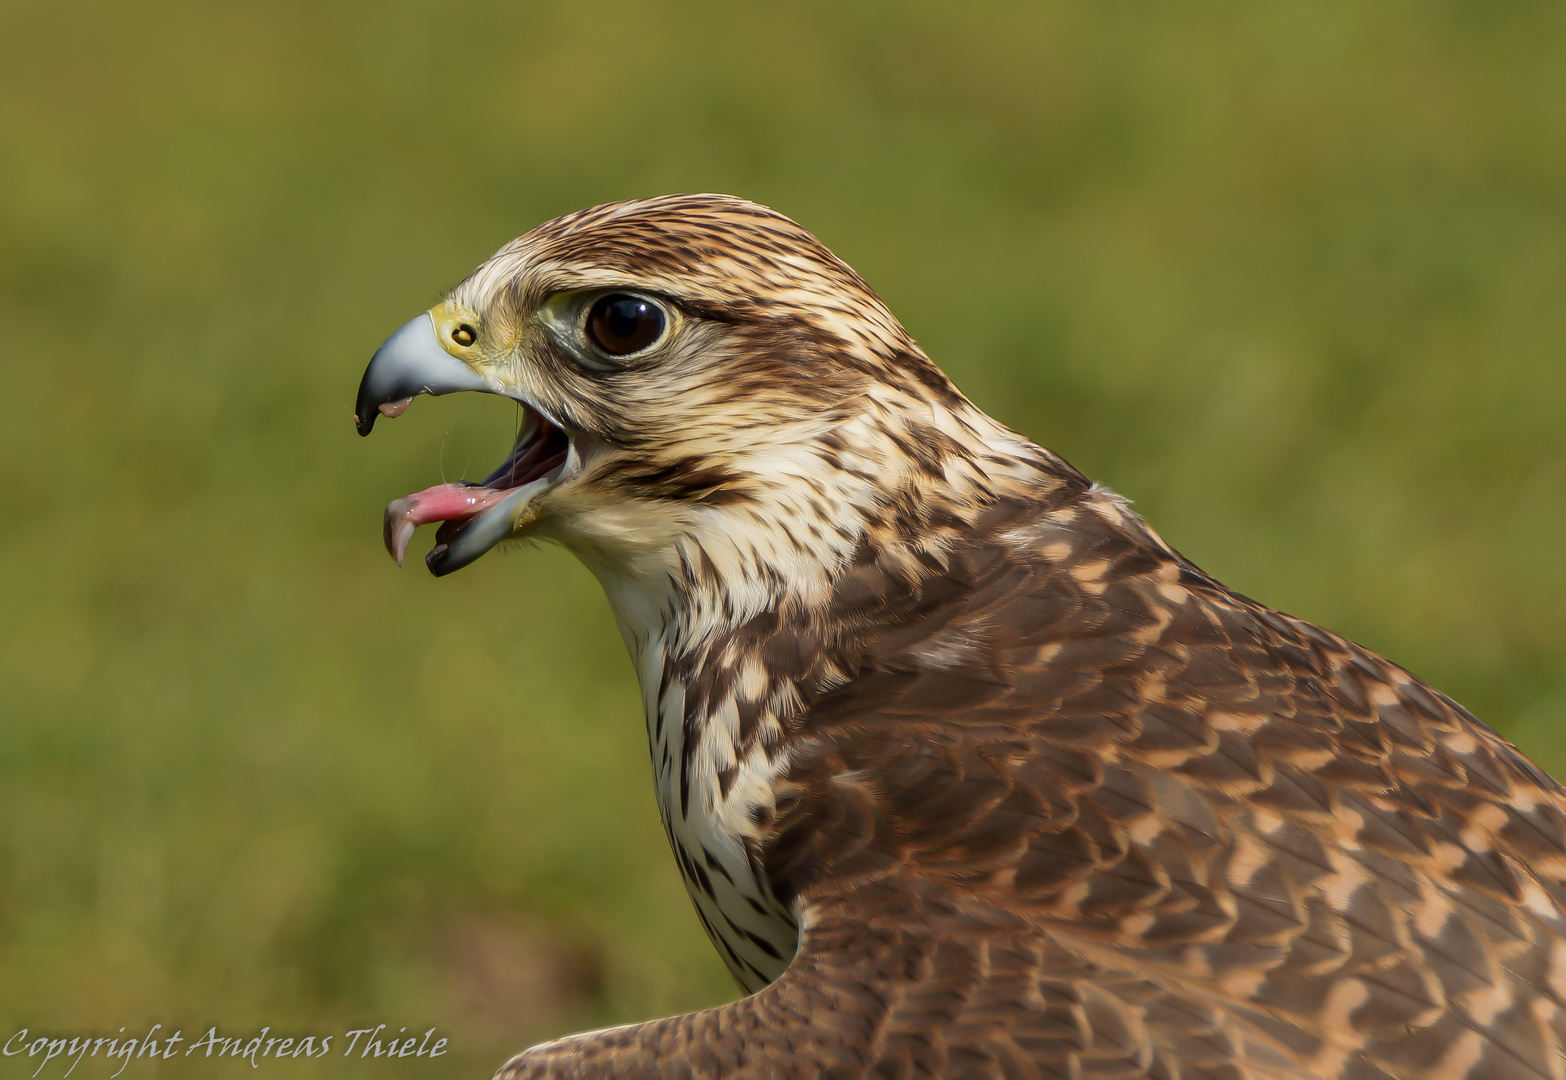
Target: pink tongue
443 502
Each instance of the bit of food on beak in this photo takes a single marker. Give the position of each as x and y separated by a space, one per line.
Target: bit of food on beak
390 409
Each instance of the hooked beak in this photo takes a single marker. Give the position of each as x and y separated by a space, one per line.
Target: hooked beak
476 515
411 362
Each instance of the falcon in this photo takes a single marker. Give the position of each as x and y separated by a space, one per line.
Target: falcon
968 773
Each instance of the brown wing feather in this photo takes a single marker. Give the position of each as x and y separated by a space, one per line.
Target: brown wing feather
1079 811
1170 781
905 978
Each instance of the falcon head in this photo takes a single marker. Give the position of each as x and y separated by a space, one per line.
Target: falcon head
702 385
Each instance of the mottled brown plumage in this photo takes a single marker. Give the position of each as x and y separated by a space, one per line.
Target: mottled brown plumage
1038 797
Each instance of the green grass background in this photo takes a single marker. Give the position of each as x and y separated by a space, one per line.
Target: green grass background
1288 275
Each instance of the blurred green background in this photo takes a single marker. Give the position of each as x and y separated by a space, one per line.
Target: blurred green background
1288 275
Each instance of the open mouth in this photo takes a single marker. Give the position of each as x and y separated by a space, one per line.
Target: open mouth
477 516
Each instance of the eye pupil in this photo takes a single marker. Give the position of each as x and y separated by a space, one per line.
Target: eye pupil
621 324
464 335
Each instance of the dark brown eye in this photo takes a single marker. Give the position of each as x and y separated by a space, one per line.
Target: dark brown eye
621 324
464 335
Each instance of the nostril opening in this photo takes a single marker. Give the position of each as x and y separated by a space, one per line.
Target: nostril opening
464 335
